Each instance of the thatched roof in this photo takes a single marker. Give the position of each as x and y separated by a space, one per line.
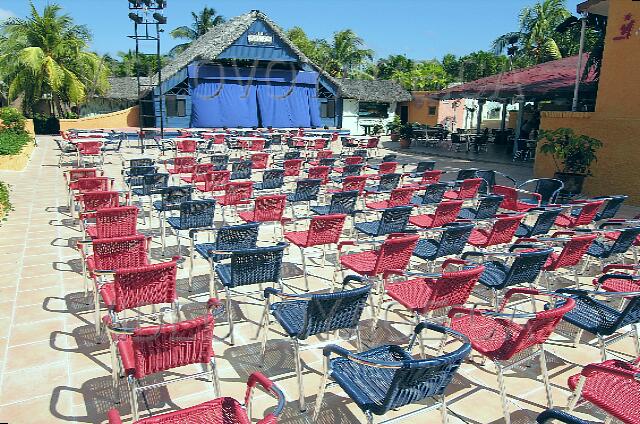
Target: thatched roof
124 88
373 91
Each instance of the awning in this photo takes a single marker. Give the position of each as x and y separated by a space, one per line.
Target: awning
540 82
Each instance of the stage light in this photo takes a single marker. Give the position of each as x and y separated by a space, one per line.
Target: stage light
147 2
513 39
136 3
135 18
567 24
161 4
159 18
512 50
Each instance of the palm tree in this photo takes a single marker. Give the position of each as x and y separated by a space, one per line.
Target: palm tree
537 37
203 21
45 56
346 52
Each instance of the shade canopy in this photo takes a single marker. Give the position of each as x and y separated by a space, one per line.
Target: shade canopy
540 82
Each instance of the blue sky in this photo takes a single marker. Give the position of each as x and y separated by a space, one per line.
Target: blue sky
421 29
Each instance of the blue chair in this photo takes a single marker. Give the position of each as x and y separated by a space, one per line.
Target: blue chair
341 202
388 377
604 251
487 208
489 177
150 184
525 268
452 241
548 188
421 167
227 239
220 162
271 180
241 170
193 214
305 315
392 220
248 267
544 223
602 320
133 176
349 171
307 190
611 207
170 200
293 154
433 195
392 157
386 183
556 415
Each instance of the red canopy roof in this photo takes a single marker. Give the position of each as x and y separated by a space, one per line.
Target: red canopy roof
544 81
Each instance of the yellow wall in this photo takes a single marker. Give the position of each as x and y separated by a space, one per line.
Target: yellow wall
28 126
419 108
121 119
616 121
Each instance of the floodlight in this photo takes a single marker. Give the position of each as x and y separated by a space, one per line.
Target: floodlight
161 4
136 3
135 18
512 50
159 18
567 24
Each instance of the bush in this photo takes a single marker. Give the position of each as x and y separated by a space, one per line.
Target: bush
11 143
5 204
12 119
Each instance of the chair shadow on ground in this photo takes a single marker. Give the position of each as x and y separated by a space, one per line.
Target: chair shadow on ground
70 242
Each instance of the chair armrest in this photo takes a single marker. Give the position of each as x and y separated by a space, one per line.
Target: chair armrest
270 291
517 290
114 416
269 386
461 310
337 350
453 261
611 267
593 368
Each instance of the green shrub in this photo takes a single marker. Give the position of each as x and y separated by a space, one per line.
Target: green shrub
12 119
5 204
11 143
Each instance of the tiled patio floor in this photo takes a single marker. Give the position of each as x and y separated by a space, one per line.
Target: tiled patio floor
52 371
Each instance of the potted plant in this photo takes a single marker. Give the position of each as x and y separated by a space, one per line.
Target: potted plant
572 154
405 133
393 128
377 129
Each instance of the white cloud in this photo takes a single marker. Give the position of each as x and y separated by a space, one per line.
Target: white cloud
6 14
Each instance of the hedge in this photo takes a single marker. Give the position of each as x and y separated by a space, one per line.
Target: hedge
5 204
11 143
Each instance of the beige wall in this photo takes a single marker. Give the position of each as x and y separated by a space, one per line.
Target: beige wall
121 119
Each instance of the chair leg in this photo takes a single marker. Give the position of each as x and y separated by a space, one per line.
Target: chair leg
304 269
96 314
191 260
575 397
163 231
578 336
229 316
321 390
603 348
503 395
444 411
265 335
115 368
421 339
298 362
213 290
133 398
214 376
545 376
636 339
358 340
369 417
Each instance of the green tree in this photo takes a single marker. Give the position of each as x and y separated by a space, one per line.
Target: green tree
45 56
427 76
346 53
203 21
128 66
385 68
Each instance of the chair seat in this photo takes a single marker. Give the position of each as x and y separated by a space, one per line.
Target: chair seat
423 221
383 204
593 316
138 191
452 194
619 285
479 237
617 395
290 315
299 238
249 216
426 249
224 410
467 213
523 230
204 248
174 222
415 295
187 179
362 262
613 235
598 249
260 186
565 221
157 205
321 210
221 200
295 197
173 171
367 386
370 228
494 275
491 337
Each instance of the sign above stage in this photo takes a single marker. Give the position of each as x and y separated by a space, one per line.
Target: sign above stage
260 38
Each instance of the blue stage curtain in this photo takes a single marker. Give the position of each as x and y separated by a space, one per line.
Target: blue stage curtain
285 106
314 107
217 104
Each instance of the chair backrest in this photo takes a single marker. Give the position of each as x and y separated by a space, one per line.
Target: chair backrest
353 160
360 152
526 267
469 188
197 213
96 200
257 145
400 196
89 147
395 252
260 160
446 212
188 145
488 206
136 174
334 311
307 189
630 314
76 174
573 251
319 144
391 157
241 170
147 285
236 237
160 348
171 197
624 241
237 192
489 179
199 172
116 222
453 288
433 193
466 174
588 212
292 154
354 182
431 177
548 188
269 208
184 164
153 183
387 168
509 197
453 239
220 162
503 230
544 222
611 207
537 330
258 265
343 202
372 143
352 170
327 162
84 185
292 167
319 173
272 178
325 229
425 165
120 252
324 154
394 220
389 181
133 163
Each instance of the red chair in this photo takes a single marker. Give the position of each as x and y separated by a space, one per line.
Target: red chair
502 231
445 213
510 199
384 168
428 178
85 185
398 197
352 183
259 160
372 143
235 194
584 216
146 351
267 209
257 145
495 335
318 144
321 154
292 167
335 136
319 173
621 285
198 173
468 189
214 181
91 201
182 165
73 175
349 160
186 145
221 410
613 386
323 230
89 149
111 222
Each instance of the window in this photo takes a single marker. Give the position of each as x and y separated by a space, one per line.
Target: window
175 106
432 110
328 109
373 110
